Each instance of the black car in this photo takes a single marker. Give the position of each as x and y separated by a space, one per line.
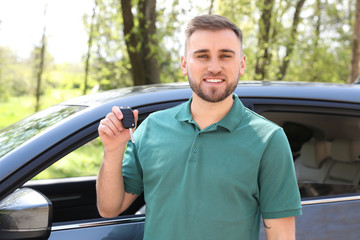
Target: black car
321 121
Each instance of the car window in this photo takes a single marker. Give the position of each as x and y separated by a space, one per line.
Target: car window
326 150
69 183
18 133
84 161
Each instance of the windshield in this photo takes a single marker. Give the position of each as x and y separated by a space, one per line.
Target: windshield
20 132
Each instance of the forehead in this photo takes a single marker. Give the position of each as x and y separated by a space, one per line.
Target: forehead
213 40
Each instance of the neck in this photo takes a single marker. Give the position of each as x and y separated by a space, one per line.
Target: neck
207 113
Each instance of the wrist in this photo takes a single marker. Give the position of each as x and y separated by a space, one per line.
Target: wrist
114 151
115 147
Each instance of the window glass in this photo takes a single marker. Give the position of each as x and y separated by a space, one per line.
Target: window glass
313 190
84 161
326 150
21 131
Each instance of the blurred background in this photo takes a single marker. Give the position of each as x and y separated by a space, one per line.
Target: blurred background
53 50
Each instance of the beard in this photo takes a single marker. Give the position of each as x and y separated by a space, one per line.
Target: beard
214 94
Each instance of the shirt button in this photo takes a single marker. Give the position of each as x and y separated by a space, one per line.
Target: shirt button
195 150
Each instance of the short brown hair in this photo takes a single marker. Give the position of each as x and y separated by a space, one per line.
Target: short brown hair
212 23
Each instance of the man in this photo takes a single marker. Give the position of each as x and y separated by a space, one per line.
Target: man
208 168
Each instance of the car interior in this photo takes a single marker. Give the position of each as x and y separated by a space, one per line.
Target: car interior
326 150
325 146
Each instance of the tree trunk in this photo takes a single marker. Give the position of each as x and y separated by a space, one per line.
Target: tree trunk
354 72
264 56
291 43
211 7
318 23
40 67
313 75
132 44
149 42
88 55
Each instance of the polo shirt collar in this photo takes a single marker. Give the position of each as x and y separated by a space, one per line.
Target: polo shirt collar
229 122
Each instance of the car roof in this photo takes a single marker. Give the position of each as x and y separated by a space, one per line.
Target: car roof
253 89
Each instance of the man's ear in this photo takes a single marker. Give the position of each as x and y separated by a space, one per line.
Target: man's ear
242 64
183 65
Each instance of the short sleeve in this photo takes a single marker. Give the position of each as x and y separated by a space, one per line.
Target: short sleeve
132 171
279 191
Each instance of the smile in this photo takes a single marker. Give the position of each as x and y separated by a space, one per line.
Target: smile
214 80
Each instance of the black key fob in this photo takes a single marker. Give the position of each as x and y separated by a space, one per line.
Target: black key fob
128 120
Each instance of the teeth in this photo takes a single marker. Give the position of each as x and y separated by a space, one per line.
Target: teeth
213 80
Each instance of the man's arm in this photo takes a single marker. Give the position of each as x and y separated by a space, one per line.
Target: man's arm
280 229
111 196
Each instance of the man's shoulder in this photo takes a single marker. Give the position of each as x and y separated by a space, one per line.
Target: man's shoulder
158 121
257 119
166 114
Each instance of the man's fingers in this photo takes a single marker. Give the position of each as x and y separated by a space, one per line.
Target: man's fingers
136 116
104 128
111 125
116 122
116 110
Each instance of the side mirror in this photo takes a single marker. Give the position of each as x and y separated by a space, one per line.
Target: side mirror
25 214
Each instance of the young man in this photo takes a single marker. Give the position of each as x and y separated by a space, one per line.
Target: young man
208 168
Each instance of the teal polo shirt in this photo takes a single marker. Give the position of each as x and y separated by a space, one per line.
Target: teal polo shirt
213 183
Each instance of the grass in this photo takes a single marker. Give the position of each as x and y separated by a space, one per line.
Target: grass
17 108
14 109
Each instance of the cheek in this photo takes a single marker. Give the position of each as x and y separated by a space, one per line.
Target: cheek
232 68
237 68
194 68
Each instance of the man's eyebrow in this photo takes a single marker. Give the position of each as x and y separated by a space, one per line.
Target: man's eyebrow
227 50
201 51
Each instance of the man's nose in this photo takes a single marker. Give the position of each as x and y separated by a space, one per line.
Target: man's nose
214 66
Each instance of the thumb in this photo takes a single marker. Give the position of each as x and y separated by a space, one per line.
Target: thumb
136 117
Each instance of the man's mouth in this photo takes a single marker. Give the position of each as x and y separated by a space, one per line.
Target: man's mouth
213 80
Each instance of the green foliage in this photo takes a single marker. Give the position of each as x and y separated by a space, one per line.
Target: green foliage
14 109
85 161
323 56
14 75
170 45
109 63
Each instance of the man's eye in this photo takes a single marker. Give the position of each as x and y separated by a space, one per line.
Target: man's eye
225 56
202 56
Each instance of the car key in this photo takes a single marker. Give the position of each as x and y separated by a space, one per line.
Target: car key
128 120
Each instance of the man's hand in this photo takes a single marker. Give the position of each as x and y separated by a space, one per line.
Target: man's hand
111 131
111 196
